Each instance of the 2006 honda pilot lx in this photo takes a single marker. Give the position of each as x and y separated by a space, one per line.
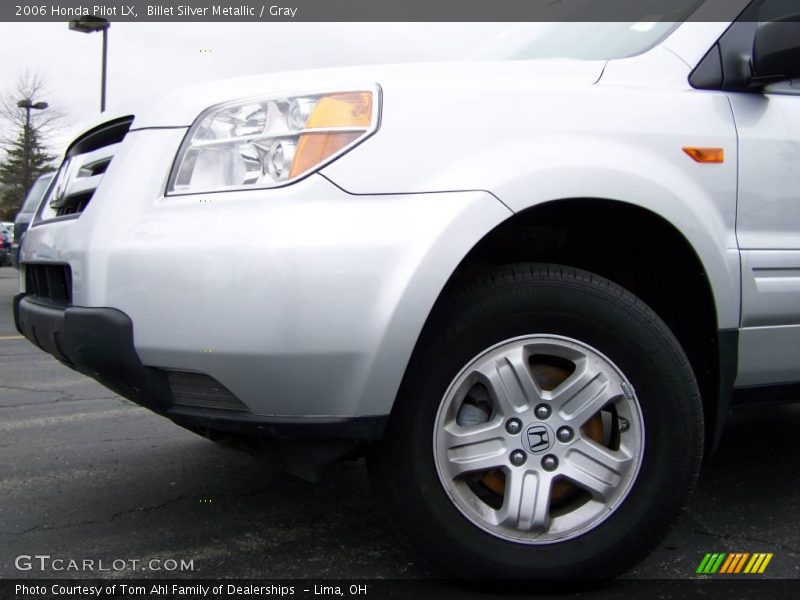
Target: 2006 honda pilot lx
528 289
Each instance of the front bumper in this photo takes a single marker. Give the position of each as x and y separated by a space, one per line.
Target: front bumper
98 342
305 302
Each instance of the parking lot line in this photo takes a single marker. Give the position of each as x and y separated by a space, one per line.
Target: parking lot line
11 337
58 420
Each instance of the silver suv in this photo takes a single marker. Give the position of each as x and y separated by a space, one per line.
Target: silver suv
527 288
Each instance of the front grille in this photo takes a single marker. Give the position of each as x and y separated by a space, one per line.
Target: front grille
76 205
198 390
49 282
83 168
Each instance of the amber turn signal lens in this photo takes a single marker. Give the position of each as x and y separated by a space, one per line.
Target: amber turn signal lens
339 110
350 109
314 148
705 155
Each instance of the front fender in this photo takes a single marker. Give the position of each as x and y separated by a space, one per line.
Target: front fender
611 142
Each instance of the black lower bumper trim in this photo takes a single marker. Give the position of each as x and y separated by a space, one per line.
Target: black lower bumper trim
329 428
98 342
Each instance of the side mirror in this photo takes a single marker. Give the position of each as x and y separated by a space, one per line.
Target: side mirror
776 51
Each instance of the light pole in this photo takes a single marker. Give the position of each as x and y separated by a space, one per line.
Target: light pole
90 24
28 106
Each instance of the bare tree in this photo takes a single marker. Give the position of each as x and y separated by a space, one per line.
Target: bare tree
29 86
25 135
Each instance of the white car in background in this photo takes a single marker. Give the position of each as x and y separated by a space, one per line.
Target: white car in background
26 212
527 289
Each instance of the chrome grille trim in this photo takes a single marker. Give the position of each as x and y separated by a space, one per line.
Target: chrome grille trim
78 176
82 170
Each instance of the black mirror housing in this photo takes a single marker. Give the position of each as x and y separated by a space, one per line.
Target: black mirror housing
776 51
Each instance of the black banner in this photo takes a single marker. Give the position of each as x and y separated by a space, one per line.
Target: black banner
732 588
372 10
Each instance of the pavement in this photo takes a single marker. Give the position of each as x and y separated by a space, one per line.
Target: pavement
85 474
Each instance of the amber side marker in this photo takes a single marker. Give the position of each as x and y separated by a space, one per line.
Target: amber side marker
705 155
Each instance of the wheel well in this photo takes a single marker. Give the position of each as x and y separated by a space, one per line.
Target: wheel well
636 249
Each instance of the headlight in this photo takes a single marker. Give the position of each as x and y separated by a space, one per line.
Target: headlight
268 142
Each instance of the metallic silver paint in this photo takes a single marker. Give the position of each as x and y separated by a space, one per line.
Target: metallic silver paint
303 301
768 230
308 299
617 138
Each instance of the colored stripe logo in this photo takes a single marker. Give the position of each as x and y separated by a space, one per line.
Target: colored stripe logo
734 563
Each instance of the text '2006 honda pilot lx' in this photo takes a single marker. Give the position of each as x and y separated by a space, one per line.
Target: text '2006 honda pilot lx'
527 289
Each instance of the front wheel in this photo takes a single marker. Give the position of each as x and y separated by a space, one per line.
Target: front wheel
549 427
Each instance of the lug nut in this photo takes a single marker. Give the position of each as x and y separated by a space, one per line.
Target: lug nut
542 411
514 426
549 463
518 458
624 424
564 434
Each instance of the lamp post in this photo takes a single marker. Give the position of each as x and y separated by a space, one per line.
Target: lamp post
28 105
90 24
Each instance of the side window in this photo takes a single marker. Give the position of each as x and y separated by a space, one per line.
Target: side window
777 10
788 88
780 10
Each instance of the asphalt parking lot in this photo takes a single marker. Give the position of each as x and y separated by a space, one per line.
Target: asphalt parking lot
86 474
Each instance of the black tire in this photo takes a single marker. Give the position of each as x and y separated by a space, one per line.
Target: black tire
542 299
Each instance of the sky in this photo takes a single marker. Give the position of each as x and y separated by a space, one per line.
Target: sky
150 59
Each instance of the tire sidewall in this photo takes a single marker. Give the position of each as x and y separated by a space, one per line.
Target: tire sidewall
634 340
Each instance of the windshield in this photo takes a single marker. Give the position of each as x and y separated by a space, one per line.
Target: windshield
578 29
583 41
35 195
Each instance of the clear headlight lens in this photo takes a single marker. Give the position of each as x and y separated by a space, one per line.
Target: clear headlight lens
272 141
